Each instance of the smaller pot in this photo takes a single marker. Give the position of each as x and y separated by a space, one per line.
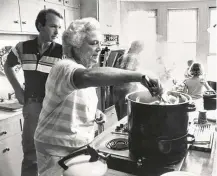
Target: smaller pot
85 161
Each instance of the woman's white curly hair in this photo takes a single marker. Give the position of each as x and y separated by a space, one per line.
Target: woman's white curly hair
75 35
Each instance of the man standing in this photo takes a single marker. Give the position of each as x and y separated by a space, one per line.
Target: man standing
36 56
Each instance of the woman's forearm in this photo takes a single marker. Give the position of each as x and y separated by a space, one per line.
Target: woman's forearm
104 76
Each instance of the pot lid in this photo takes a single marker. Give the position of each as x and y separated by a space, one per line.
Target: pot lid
80 166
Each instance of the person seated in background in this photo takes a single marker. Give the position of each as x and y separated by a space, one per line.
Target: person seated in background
194 86
129 61
66 121
187 73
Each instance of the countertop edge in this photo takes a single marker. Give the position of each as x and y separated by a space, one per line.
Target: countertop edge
8 114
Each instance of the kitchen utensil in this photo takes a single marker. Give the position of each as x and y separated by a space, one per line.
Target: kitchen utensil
202 133
151 86
83 162
202 117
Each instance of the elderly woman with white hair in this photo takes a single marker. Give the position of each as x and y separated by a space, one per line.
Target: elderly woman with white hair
70 103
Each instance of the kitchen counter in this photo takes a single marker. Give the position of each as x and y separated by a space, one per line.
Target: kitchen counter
6 114
198 162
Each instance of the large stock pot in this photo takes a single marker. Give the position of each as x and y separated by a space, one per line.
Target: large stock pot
158 132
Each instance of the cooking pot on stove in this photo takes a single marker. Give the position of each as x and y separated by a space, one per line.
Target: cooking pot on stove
84 162
158 132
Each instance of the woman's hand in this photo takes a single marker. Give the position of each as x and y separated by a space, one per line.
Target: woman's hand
153 85
100 117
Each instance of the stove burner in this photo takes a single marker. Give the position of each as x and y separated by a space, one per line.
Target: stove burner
118 144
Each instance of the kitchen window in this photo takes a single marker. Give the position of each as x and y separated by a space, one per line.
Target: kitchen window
211 59
144 29
213 33
182 37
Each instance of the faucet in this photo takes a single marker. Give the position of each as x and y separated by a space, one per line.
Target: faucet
10 95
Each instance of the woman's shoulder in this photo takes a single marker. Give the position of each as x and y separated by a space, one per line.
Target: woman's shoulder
68 63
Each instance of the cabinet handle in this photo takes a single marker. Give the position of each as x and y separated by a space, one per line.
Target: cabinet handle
16 21
23 22
5 150
3 133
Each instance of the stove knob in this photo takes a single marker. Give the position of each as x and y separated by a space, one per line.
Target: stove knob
125 129
117 128
121 125
139 163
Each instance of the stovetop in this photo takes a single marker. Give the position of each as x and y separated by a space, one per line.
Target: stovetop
121 159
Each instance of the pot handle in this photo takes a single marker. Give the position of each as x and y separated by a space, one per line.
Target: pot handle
83 150
192 139
78 152
191 107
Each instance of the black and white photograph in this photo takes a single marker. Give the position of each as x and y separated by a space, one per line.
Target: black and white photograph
108 88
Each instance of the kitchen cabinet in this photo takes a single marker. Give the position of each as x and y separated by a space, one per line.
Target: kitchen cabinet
55 1
72 3
106 12
58 8
16 18
9 15
11 153
109 16
70 15
28 19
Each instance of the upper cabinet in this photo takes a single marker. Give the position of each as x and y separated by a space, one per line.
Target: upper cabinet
72 3
71 15
58 8
28 19
68 3
55 1
15 18
9 16
106 11
109 16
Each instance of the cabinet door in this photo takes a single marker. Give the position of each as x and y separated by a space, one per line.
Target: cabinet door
10 127
55 1
71 15
59 9
28 19
108 21
72 3
9 15
11 155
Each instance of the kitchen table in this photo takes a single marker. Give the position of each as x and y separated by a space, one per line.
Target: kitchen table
198 162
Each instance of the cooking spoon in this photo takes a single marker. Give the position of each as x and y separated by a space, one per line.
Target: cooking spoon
150 85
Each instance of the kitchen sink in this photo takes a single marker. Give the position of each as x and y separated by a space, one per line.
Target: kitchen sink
10 105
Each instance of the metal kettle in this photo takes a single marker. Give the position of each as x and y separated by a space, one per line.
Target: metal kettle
84 161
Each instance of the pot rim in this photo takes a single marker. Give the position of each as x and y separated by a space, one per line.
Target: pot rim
186 102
